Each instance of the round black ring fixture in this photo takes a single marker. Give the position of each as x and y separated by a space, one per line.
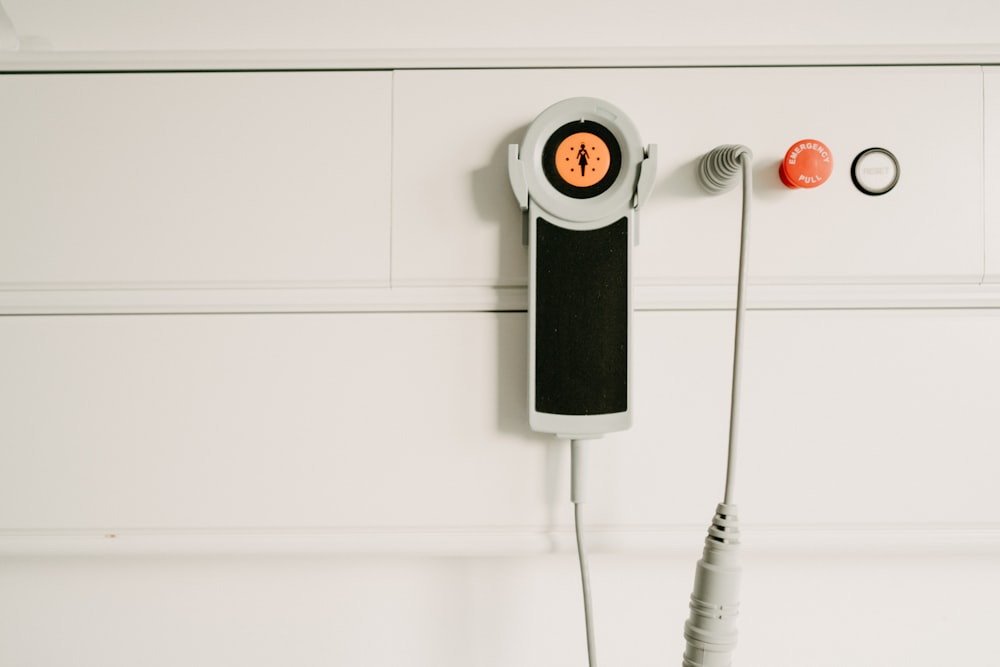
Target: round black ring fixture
875 184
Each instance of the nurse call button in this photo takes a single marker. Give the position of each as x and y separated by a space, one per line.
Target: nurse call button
582 159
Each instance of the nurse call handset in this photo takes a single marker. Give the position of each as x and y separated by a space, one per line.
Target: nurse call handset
579 176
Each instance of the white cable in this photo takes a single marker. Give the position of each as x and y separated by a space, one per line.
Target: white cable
735 398
717 171
710 632
578 495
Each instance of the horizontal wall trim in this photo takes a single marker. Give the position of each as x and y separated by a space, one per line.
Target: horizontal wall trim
388 59
866 540
112 299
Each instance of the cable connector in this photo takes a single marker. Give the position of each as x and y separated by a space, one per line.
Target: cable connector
710 631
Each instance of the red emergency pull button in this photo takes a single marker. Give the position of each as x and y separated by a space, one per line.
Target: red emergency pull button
807 164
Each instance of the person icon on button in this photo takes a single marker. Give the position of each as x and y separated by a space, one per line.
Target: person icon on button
581 158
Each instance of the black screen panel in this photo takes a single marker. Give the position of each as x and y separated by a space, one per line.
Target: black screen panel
581 319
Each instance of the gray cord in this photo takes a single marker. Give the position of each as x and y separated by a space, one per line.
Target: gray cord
585 579
716 173
578 496
710 631
736 399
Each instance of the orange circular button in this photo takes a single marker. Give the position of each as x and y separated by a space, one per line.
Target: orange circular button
807 164
582 159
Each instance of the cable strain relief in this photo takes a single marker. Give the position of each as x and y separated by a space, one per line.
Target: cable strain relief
578 471
710 632
725 528
717 169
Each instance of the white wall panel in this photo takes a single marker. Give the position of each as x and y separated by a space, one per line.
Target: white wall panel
260 421
991 170
194 179
417 422
455 220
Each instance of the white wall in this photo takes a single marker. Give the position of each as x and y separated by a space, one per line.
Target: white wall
263 356
151 25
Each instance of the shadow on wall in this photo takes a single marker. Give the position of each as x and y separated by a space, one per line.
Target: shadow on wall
495 204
